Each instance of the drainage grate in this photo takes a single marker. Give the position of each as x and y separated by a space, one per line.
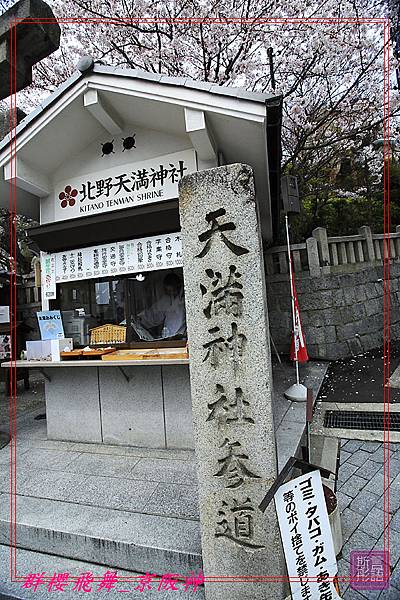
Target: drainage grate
350 419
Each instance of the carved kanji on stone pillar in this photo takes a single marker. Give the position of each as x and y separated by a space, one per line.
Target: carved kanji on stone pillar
231 381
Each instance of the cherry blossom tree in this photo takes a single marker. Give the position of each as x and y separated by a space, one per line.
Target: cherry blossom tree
327 62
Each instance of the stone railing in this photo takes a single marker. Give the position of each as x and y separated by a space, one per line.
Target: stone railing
29 303
323 254
30 293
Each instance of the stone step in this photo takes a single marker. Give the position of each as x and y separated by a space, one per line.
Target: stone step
28 562
120 539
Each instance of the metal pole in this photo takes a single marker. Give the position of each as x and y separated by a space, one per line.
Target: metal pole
270 53
275 349
292 297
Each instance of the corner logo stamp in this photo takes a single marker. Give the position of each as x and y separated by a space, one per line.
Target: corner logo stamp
369 570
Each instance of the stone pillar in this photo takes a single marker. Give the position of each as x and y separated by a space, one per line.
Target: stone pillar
313 257
398 241
366 233
322 238
231 381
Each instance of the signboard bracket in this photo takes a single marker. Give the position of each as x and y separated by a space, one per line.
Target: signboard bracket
292 463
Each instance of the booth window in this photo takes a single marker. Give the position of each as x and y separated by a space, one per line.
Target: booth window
150 305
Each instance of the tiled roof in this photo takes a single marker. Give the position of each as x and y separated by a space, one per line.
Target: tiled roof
204 86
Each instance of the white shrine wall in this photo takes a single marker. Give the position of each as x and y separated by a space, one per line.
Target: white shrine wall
149 144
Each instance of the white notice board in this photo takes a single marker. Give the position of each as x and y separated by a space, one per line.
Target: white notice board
307 538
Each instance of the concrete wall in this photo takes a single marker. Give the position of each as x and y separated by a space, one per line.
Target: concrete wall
342 314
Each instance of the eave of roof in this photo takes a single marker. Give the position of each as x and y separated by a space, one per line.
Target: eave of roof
239 93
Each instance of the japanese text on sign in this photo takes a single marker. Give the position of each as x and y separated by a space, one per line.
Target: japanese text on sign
144 182
145 254
307 538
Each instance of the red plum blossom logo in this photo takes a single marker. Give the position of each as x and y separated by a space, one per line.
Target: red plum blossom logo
68 196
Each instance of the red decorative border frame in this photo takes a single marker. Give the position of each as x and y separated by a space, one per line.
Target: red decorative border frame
386 266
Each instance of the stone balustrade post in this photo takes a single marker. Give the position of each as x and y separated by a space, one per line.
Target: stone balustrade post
313 257
397 244
366 233
322 238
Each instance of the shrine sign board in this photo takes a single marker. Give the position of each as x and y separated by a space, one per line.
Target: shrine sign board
125 186
231 381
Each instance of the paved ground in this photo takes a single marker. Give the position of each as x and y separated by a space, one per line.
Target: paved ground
359 379
169 488
74 482
101 475
360 497
28 400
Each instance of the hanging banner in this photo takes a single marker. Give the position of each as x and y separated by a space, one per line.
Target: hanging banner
144 182
307 538
108 260
298 348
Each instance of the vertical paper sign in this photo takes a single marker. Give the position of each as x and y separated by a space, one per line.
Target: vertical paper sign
158 252
177 249
130 257
307 538
48 262
72 265
79 264
113 258
121 257
149 253
104 260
